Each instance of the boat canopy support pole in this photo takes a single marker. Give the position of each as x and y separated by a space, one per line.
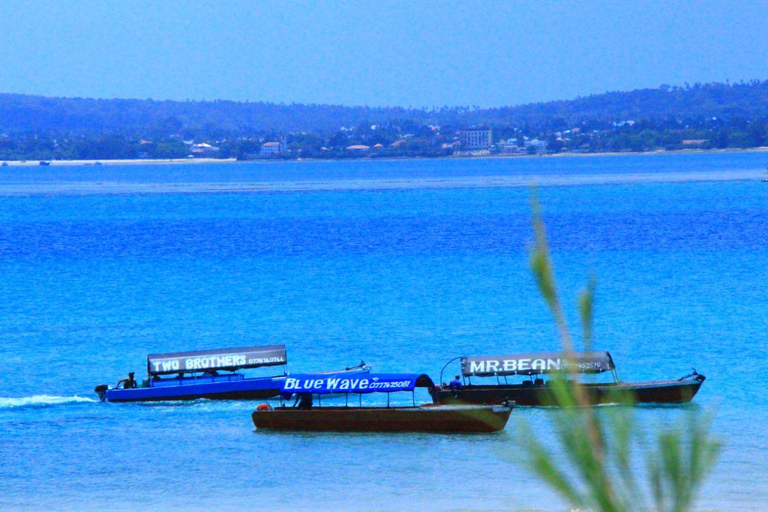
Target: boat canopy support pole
446 366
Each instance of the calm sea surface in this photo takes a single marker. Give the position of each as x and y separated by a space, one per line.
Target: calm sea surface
405 279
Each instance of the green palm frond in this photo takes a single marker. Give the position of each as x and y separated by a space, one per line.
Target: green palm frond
598 469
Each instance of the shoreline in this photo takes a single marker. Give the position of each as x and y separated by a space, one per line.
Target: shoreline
198 161
132 161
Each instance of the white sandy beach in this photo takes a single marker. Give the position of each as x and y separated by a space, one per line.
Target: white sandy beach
135 161
183 161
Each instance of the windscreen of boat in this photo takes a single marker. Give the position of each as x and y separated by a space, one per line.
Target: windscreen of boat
536 363
228 359
354 383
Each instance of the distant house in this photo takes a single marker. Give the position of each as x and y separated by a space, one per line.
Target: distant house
536 145
694 142
358 147
480 138
397 143
272 148
204 150
510 147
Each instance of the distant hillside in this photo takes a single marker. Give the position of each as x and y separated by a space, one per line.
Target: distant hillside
697 102
37 115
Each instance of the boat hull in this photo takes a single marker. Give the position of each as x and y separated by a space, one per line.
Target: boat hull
230 386
432 418
248 389
671 391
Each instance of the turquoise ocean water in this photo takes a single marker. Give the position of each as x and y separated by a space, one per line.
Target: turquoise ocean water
404 279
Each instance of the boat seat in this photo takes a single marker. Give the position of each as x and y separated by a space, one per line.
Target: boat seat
538 382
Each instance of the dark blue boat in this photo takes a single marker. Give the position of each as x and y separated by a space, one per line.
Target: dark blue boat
211 374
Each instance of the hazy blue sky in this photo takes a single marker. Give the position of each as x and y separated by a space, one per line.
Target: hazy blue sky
380 52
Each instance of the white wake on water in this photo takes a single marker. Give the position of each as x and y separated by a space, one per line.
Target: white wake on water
41 401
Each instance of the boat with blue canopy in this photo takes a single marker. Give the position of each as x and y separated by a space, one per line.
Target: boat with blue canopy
211 374
308 413
533 390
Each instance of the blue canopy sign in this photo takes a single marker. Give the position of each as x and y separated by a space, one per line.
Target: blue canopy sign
361 383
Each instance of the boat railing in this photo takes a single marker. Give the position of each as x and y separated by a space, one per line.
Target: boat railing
319 397
193 379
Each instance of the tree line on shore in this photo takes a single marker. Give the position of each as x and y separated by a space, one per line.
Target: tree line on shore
700 116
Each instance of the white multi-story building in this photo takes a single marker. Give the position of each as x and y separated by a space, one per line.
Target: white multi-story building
271 148
476 139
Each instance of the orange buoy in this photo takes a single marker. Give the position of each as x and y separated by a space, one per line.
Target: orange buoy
264 407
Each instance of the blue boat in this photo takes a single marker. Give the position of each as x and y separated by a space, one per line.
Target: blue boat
211 374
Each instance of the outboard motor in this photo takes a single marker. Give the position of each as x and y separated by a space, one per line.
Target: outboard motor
362 366
101 390
695 375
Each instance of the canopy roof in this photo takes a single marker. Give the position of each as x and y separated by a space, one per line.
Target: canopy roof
536 363
219 359
354 383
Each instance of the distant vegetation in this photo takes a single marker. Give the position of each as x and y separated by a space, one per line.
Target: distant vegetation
699 116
